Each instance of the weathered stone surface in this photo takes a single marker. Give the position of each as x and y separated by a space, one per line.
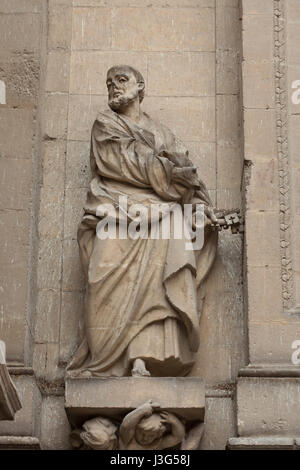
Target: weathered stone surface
228 28
260 443
145 3
73 278
91 28
163 29
229 198
19 443
189 118
272 341
229 164
83 111
58 67
185 396
74 201
26 419
262 193
258 83
60 24
264 407
294 134
203 155
15 193
260 26
48 315
55 428
227 72
293 34
51 212
264 293
71 314
20 32
16 129
20 6
49 267
54 164
78 173
55 125
222 352
46 365
13 279
196 69
221 411
256 7
258 124
20 72
228 120
267 251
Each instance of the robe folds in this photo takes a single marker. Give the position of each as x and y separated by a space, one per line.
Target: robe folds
141 295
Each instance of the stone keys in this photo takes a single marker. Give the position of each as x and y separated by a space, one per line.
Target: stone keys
9 399
229 218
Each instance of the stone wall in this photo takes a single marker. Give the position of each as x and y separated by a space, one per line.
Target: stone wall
21 60
189 53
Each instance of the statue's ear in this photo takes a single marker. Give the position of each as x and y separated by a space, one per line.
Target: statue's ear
141 86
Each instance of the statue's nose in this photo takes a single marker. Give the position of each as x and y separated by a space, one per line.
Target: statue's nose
115 86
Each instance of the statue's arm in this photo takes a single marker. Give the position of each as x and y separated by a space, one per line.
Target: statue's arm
177 433
129 423
193 438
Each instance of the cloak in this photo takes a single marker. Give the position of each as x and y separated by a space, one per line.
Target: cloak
141 296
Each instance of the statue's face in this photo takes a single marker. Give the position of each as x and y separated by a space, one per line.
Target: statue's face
146 437
122 88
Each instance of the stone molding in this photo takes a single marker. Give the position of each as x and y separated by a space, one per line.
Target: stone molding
270 370
263 443
281 99
19 443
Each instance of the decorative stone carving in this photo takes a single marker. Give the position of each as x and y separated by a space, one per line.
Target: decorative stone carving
97 434
149 428
145 428
9 400
141 309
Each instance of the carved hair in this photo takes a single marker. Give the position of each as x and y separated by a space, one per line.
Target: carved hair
139 77
152 423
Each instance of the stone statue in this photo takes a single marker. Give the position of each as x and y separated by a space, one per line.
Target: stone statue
97 434
147 428
143 295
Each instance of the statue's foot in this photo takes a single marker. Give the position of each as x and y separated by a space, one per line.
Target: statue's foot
139 369
85 373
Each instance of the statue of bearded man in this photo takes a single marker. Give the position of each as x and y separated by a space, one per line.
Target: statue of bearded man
141 307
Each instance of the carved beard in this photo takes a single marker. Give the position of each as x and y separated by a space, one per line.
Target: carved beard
116 104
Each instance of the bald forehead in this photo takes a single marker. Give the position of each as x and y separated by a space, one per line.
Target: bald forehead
120 71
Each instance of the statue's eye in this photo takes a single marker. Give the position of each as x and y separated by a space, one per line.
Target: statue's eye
122 79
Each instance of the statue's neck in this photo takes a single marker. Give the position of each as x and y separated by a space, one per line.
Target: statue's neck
133 111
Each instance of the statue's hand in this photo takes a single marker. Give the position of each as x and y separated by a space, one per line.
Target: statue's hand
187 176
180 160
154 405
210 215
166 417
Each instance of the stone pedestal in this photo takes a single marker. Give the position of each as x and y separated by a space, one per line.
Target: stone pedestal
115 397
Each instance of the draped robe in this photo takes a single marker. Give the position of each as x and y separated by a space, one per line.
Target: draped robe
141 295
